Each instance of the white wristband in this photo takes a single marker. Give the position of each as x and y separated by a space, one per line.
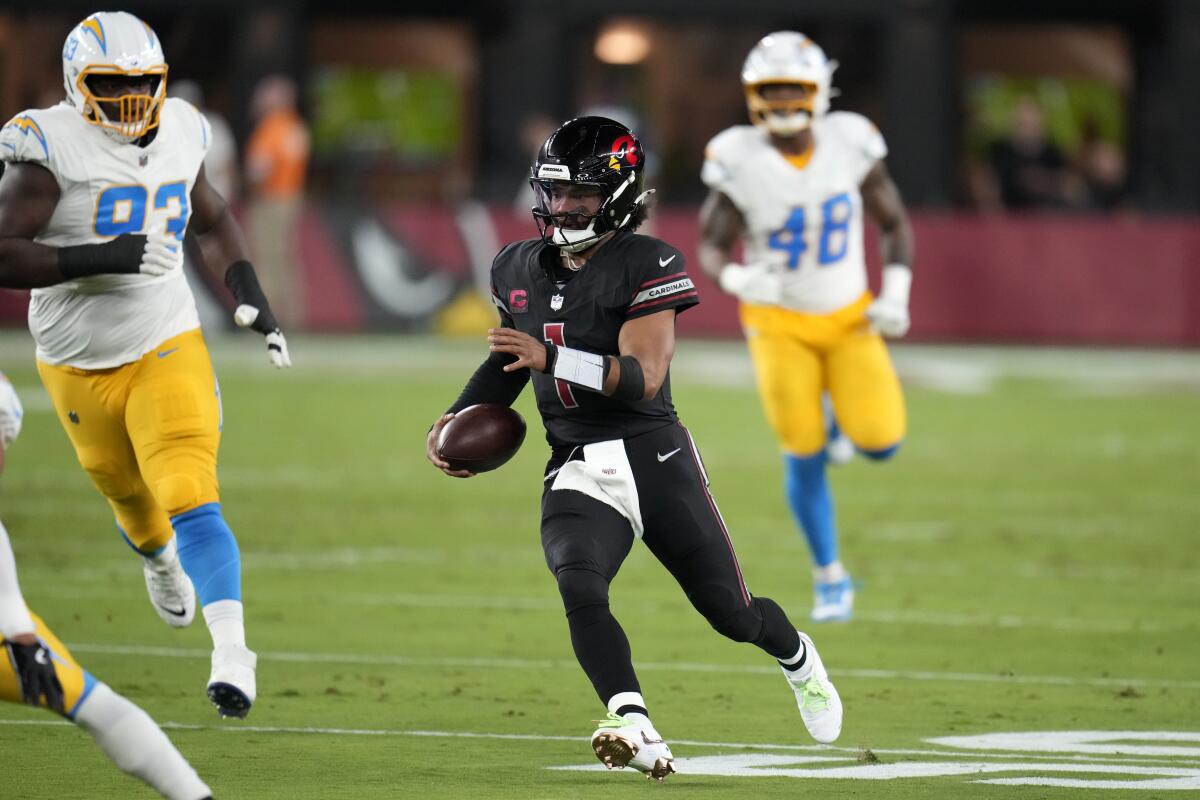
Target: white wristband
896 284
580 368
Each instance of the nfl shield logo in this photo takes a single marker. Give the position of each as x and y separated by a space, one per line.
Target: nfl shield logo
556 302
143 160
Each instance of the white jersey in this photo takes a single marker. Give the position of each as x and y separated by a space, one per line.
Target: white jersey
806 223
108 188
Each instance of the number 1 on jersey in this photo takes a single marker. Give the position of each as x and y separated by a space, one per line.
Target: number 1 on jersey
553 332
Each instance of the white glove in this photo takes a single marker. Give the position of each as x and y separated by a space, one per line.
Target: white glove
163 253
277 349
889 313
752 283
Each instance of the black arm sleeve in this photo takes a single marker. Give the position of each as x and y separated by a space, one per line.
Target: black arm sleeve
243 285
24 264
491 384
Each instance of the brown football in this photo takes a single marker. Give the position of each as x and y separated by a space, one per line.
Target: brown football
481 437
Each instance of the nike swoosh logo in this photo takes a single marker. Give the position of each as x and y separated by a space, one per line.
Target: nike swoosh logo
166 353
180 613
662 262
662 458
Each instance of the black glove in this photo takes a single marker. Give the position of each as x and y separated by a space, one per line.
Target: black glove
35 673
123 255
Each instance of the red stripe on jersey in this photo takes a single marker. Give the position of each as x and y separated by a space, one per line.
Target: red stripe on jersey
663 279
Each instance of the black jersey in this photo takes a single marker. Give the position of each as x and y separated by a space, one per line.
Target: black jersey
631 276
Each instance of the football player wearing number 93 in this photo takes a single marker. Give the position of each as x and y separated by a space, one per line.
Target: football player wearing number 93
794 187
587 312
96 196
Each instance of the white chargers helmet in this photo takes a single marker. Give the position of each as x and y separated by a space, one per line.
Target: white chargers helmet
115 44
787 58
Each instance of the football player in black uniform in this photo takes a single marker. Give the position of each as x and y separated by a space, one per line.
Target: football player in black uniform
588 312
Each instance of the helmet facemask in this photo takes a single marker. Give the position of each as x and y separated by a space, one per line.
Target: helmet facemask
130 115
783 117
575 229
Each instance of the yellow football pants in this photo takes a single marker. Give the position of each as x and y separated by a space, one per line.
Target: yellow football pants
146 432
797 357
75 682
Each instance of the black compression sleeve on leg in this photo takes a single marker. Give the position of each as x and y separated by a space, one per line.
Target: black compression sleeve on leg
491 384
243 284
631 386
121 256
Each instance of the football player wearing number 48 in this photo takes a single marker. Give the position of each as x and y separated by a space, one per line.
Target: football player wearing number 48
97 195
794 187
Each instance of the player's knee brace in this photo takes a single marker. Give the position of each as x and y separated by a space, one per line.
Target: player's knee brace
582 589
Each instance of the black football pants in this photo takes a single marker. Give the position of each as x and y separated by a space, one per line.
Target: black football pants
585 542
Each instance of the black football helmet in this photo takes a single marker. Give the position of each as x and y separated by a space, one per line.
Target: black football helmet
588 151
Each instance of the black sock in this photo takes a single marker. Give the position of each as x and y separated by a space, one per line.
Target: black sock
792 667
632 709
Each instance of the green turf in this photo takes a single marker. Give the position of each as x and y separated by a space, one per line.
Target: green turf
1029 563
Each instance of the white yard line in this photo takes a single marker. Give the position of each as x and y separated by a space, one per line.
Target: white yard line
446 662
832 751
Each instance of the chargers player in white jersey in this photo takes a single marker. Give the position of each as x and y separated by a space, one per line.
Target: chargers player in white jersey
104 183
793 188
36 668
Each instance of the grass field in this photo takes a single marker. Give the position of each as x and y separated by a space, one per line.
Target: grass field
1029 564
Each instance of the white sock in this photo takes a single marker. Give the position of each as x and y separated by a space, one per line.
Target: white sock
801 672
225 623
625 699
831 573
134 743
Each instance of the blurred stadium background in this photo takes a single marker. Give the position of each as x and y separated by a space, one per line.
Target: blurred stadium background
424 116
1029 562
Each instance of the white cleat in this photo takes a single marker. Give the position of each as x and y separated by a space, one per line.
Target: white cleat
231 685
820 705
833 601
171 591
620 742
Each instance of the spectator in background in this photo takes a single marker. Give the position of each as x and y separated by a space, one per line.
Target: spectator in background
221 162
1029 169
1101 164
276 164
